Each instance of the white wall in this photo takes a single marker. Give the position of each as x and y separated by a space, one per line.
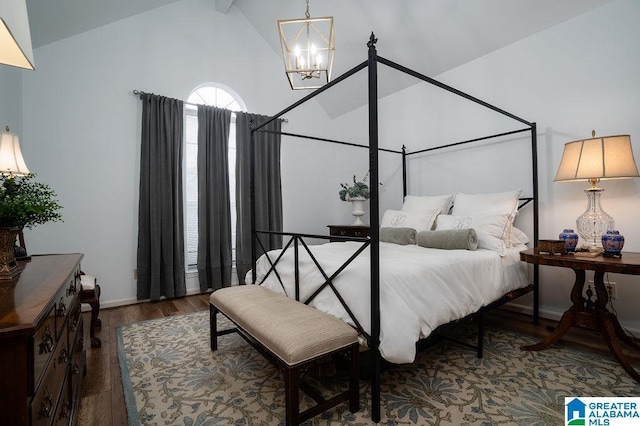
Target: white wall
11 99
570 79
82 122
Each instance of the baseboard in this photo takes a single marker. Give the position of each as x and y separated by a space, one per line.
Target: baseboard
132 301
193 287
551 315
528 310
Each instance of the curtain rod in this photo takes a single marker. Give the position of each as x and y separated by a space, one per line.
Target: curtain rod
140 92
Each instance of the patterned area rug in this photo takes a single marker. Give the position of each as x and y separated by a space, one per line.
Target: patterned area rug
170 376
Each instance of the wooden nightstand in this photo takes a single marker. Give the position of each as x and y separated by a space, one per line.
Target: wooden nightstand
585 312
348 231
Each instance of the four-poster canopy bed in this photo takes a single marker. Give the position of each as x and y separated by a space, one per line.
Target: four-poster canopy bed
368 319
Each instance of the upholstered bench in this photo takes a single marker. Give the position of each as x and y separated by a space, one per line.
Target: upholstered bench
292 335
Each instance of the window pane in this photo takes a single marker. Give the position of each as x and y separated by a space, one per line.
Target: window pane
191 191
208 95
224 99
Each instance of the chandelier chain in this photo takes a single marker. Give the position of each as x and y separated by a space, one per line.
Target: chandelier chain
307 14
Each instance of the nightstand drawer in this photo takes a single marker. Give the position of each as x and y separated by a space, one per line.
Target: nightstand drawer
349 231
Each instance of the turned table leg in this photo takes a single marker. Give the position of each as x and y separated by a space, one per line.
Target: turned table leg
568 320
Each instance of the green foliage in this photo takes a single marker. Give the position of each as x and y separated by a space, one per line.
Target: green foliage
26 203
358 189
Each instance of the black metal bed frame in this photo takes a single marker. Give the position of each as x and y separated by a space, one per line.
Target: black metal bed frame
297 239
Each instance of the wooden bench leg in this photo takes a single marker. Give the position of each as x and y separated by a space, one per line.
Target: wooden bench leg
214 327
292 396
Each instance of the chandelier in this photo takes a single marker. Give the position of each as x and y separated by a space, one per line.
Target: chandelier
307 50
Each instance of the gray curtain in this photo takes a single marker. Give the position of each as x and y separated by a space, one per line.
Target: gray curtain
214 216
268 191
161 270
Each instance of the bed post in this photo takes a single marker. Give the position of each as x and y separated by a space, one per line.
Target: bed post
536 269
252 195
404 172
375 234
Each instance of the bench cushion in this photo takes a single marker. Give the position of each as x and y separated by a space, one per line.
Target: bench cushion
87 282
291 330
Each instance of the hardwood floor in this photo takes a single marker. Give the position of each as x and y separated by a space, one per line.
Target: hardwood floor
102 400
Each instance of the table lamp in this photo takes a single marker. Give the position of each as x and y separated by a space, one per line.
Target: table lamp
607 157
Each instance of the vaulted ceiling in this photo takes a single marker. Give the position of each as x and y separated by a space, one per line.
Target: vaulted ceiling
431 36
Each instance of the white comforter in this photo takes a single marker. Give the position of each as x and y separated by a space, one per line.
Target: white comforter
420 288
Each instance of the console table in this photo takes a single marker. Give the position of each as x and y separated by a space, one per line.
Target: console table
42 355
585 312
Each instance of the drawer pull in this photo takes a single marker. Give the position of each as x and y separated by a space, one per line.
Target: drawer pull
66 409
62 308
343 232
63 358
46 404
76 320
72 288
48 341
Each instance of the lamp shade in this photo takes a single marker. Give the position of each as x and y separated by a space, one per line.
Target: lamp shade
608 157
11 161
15 36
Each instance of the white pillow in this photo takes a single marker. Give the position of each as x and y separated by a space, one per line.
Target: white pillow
495 203
416 203
489 229
518 237
420 221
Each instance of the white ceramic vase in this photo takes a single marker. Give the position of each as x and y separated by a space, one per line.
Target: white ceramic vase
358 209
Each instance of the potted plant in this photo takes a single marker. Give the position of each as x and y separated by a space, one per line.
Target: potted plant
359 190
357 194
23 203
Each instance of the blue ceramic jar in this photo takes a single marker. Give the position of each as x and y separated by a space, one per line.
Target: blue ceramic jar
612 242
570 240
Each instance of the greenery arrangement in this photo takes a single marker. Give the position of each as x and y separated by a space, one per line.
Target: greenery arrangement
26 203
357 190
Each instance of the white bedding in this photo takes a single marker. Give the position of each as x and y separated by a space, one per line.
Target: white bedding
420 288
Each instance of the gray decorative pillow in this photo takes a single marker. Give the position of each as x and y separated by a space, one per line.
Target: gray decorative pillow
402 236
449 239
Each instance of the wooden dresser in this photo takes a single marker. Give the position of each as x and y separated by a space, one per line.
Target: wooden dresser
42 356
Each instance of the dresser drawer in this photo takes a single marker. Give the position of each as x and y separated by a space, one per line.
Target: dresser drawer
65 302
46 398
78 361
64 407
44 343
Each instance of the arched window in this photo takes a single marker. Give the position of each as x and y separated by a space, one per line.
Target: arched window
218 95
